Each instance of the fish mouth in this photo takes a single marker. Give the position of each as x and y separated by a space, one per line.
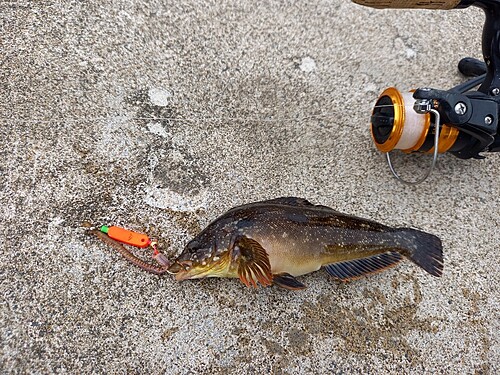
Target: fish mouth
192 273
184 275
185 270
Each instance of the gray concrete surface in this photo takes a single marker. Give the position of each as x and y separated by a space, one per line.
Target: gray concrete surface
252 100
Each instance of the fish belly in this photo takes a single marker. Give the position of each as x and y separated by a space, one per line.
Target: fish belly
293 256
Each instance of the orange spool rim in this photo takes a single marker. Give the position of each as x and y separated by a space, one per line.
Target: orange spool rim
447 138
399 120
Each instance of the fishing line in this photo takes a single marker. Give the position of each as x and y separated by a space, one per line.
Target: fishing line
175 119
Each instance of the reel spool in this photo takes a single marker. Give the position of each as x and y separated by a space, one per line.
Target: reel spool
395 125
400 122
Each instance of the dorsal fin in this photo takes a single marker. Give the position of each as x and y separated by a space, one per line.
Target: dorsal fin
290 201
297 202
358 267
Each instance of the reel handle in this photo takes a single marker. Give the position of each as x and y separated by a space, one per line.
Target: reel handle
490 45
472 67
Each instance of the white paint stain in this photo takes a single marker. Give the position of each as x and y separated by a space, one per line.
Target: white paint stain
159 96
308 65
158 129
410 53
370 87
56 221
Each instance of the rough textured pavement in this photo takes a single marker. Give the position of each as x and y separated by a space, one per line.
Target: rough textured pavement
250 100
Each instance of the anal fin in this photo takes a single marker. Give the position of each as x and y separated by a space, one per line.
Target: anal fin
356 268
287 281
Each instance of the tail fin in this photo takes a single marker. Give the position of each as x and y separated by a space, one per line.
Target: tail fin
424 249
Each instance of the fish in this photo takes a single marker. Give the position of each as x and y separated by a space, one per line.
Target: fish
273 242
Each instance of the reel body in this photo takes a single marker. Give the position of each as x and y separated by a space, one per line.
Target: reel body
467 122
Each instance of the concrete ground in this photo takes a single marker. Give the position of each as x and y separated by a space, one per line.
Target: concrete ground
159 116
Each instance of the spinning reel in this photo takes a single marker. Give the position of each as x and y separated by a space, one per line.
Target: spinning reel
459 121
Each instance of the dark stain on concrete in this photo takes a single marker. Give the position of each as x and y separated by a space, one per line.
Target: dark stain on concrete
167 334
476 321
299 342
273 348
188 220
181 172
360 331
177 168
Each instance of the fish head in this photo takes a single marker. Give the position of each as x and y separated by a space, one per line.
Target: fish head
201 259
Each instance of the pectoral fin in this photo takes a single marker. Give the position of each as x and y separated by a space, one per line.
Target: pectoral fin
253 262
287 281
358 267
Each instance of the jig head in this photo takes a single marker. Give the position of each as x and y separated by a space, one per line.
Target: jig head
116 237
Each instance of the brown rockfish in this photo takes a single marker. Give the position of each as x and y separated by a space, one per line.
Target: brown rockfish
274 241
